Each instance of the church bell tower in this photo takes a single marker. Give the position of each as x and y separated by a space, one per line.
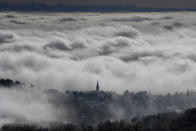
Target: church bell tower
97 87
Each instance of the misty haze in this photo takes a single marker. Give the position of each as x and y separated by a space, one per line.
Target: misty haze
59 71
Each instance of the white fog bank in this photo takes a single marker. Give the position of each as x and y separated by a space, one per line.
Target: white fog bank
131 51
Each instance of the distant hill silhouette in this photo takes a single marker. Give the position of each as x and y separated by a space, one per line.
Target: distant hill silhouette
63 8
9 83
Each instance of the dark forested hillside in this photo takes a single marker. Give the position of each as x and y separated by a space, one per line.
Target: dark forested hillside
161 122
99 110
94 107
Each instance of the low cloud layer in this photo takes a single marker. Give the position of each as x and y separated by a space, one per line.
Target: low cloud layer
151 51
26 105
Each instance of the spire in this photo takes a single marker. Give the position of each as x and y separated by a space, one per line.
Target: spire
97 87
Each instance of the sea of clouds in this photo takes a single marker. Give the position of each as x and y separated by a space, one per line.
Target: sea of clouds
123 51
131 51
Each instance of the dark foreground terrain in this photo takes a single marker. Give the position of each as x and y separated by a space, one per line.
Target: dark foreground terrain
92 107
161 122
107 111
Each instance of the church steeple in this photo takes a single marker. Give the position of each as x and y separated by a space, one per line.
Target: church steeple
97 87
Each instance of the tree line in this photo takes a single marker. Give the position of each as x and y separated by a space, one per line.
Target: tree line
161 122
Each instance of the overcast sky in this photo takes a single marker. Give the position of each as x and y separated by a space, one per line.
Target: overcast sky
145 3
